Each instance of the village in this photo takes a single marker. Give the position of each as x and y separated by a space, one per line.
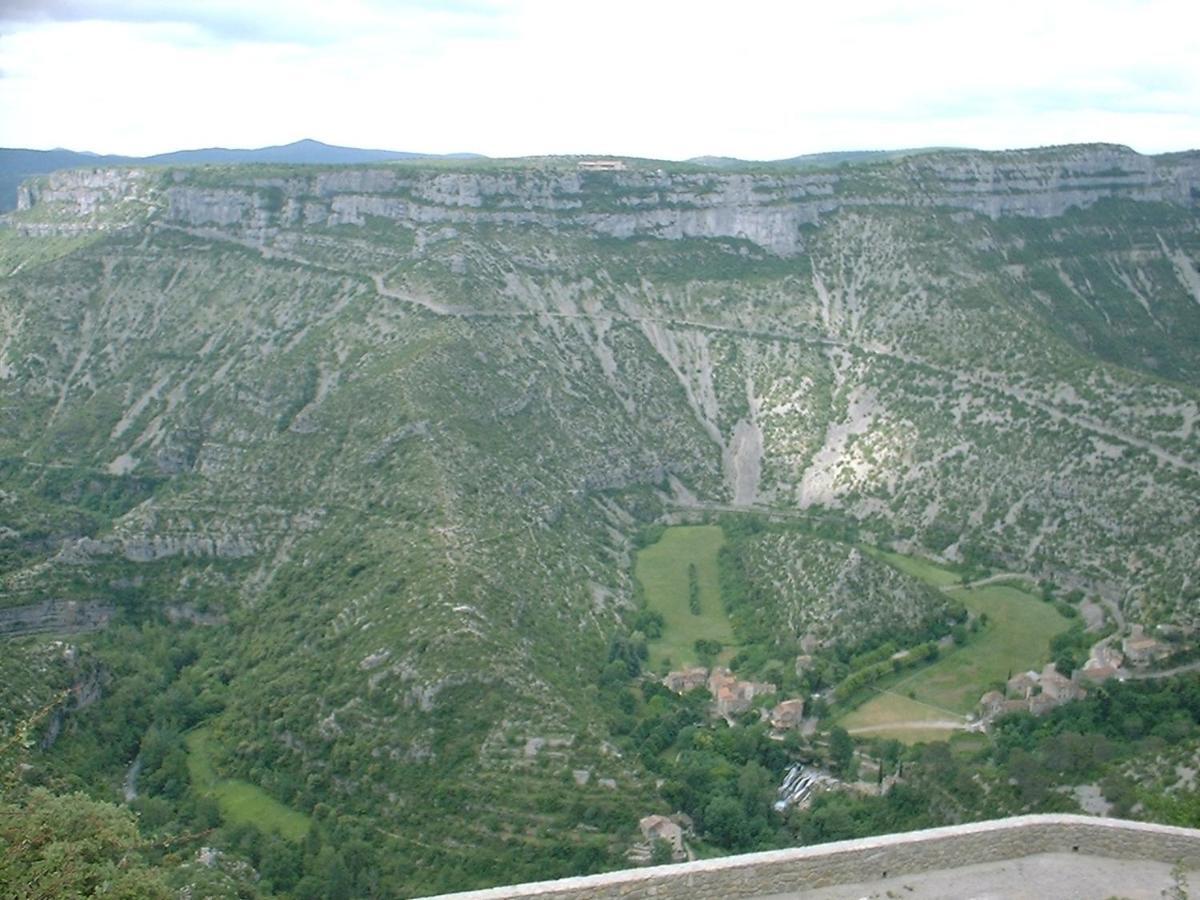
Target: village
1039 692
1030 691
731 697
665 837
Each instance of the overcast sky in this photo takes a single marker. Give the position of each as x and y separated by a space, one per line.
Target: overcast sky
659 78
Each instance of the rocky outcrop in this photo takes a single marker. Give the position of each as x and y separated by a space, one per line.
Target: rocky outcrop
81 192
146 547
1046 183
85 200
86 688
58 616
189 614
158 546
767 209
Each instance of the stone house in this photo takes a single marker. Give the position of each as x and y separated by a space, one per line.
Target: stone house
1022 685
991 703
1097 674
1103 662
1104 656
657 827
788 714
719 677
733 696
1042 703
1141 650
684 680
1059 688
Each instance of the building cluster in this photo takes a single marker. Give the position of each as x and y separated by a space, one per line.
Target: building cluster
1035 692
1104 662
1142 650
732 696
1038 692
602 165
788 714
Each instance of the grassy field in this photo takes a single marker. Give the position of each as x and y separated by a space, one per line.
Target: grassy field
1016 638
923 569
882 716
662 569
240 801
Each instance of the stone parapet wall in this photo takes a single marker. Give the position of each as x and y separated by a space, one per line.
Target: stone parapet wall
871 859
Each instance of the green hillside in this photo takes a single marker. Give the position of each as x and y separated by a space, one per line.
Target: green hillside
351 468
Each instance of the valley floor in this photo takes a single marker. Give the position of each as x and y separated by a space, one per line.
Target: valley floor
936 700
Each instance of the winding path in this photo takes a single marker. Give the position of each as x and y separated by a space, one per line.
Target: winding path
1138 675
918 724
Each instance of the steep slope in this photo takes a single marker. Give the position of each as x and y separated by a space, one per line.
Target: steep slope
383 436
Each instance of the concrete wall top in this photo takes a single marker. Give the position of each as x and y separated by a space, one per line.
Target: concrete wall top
842 862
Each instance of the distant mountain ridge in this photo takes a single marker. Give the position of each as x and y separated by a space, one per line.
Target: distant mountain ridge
17 164
820 160
304 152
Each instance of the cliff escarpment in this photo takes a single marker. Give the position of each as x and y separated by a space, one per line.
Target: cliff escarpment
770 209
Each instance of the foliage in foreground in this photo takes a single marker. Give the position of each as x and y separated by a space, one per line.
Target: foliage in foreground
71 846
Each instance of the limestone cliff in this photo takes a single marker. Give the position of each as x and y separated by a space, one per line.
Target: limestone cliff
769 209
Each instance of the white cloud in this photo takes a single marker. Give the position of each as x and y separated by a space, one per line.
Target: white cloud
669 79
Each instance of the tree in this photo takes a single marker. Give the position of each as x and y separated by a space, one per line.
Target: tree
841 751
707 649
72 846
725 822
1029 777
693 589
661 852
650 623
629 651
756 789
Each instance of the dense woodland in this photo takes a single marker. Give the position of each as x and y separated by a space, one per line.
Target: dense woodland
723 777
163 683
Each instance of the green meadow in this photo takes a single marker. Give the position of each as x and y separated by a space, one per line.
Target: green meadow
928 572
663 571
240 802
1017 637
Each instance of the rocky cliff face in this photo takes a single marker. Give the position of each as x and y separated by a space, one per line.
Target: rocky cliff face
57 616
82 200
769 210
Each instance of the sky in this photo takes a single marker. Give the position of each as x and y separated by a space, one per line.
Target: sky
654 78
